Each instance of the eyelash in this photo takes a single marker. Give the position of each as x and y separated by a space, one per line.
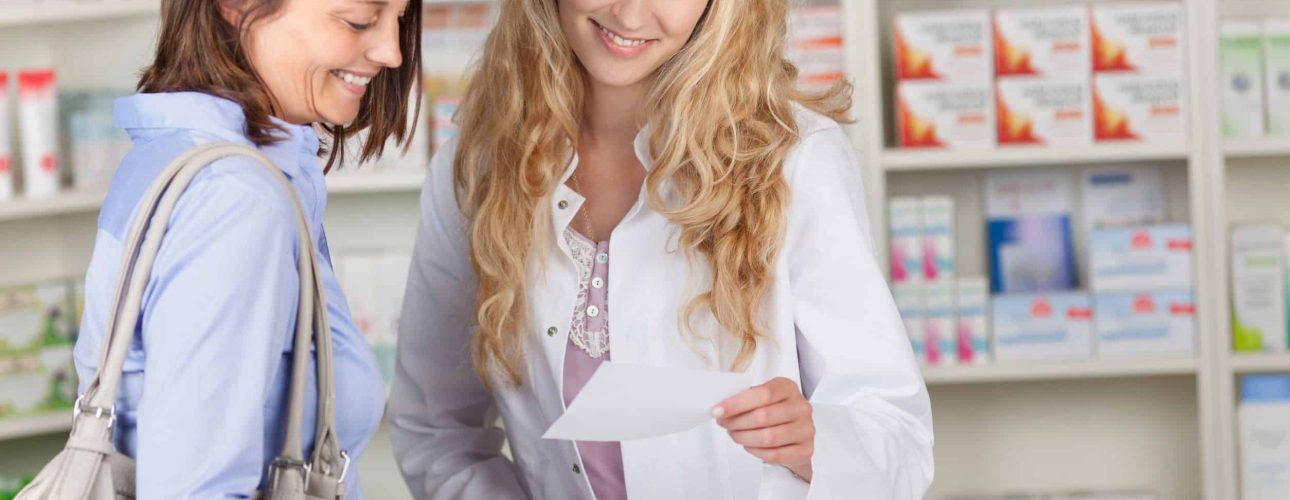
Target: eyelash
361 27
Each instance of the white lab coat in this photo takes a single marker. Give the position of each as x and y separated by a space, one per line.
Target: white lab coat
831 323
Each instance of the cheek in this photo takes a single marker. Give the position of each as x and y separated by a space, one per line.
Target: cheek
679 23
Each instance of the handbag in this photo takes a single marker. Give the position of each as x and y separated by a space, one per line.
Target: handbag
90 468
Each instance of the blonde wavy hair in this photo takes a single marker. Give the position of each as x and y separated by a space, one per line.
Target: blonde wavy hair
722 122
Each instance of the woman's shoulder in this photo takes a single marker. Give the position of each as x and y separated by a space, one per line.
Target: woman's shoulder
822 149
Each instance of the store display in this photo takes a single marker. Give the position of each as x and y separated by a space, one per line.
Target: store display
934 114
946 46
1145 324
1041 326
1045 42
1240 48
38 122
1044 112
1028 229
1138 108
37 332
1138 37
1258 288
1122 196
1263 421
1142 258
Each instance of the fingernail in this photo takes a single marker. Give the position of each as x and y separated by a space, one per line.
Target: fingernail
718 412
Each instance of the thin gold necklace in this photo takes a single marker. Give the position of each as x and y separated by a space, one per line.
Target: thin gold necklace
586 219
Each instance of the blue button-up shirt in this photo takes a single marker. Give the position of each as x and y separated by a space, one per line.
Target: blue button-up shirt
203 397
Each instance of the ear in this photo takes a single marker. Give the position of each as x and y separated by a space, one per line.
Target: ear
231 11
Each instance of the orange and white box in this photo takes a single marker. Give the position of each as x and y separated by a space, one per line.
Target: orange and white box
1042 112
1050 42
1138 108
947 45
945 115
815 45
1143 37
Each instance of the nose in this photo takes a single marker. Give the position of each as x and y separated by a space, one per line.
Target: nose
384 50
631 14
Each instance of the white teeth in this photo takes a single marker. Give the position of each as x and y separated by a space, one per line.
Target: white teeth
351 78
618 40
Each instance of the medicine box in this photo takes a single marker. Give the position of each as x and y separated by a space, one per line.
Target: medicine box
1241 77
973 321
1048 42
948 45
1139 108
1140 258
938 239
938 323
1042 326
909 302
945 115
1276 69
1043 112
1145 323
905 217
1258 289
1138 37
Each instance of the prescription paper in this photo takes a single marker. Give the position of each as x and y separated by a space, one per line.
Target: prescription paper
625 401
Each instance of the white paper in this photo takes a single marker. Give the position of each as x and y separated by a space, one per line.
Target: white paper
625 401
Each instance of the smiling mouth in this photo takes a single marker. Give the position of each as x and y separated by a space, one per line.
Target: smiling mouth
620 40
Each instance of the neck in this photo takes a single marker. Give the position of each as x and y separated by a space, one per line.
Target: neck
610 115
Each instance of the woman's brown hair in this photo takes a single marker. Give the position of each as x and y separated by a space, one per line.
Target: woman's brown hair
198 51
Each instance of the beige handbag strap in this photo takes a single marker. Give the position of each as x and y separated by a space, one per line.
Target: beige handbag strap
146 234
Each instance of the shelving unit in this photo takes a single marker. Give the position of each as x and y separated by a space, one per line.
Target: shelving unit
896 160
1059 370
69 12
35 425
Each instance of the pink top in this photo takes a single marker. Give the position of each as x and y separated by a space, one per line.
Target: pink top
588 347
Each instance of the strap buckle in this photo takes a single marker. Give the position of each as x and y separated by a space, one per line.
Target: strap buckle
283 463
99 412
344 469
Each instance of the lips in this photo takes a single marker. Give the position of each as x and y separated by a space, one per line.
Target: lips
620 45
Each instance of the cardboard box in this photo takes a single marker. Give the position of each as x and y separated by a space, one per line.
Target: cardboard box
1041 112
1028 229
948 45
906 235
1049 42
973 321
1138 37
35 316
1258 289
1240 49
1145 323
1140 258
1042 326
939 260
1136 108
946 116
815 45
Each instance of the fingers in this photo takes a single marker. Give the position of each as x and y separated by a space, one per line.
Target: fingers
792 433
769 416
785 455
766 394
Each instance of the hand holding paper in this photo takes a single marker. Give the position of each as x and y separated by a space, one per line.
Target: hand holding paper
625 401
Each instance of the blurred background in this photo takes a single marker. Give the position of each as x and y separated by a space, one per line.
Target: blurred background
1081 208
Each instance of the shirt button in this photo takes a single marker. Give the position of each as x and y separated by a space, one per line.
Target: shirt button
577 469
550 332
602 258
597 282
593 311
563 204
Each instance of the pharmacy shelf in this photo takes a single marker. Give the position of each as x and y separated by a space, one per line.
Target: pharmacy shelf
35 425
66 12
74 202
71 202
1257 148
1260 363
898 160
1058 370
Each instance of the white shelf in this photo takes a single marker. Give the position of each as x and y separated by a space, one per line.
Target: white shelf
1260 363
35 425
1255 148
72 11
1058 370
75 202
71 202
898 160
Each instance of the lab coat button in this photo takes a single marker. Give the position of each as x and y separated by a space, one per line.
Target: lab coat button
563 204
550 332
602 258
577 469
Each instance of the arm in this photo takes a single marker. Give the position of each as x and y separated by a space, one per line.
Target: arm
217 314
443 443
872 416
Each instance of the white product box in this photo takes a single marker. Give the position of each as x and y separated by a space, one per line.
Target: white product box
952 46
1041 326
1145 323
1140 258
1142 37
945 115
1276 68
939 261
905 219
973 321
1042 112
1258 290
24 387
815 45
35 315
38 119
1140 108
1263 418
1049 42
6 151
909 302
1122 196
1240 48
938 323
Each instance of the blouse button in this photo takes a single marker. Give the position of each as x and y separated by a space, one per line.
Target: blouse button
597 282
550 332
577 469
563 204
593 311
602 258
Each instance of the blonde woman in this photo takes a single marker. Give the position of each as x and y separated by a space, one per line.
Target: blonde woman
638 180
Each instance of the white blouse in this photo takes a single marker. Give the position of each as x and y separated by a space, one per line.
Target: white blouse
830 321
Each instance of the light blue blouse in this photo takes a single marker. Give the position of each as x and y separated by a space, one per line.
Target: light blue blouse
203 396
